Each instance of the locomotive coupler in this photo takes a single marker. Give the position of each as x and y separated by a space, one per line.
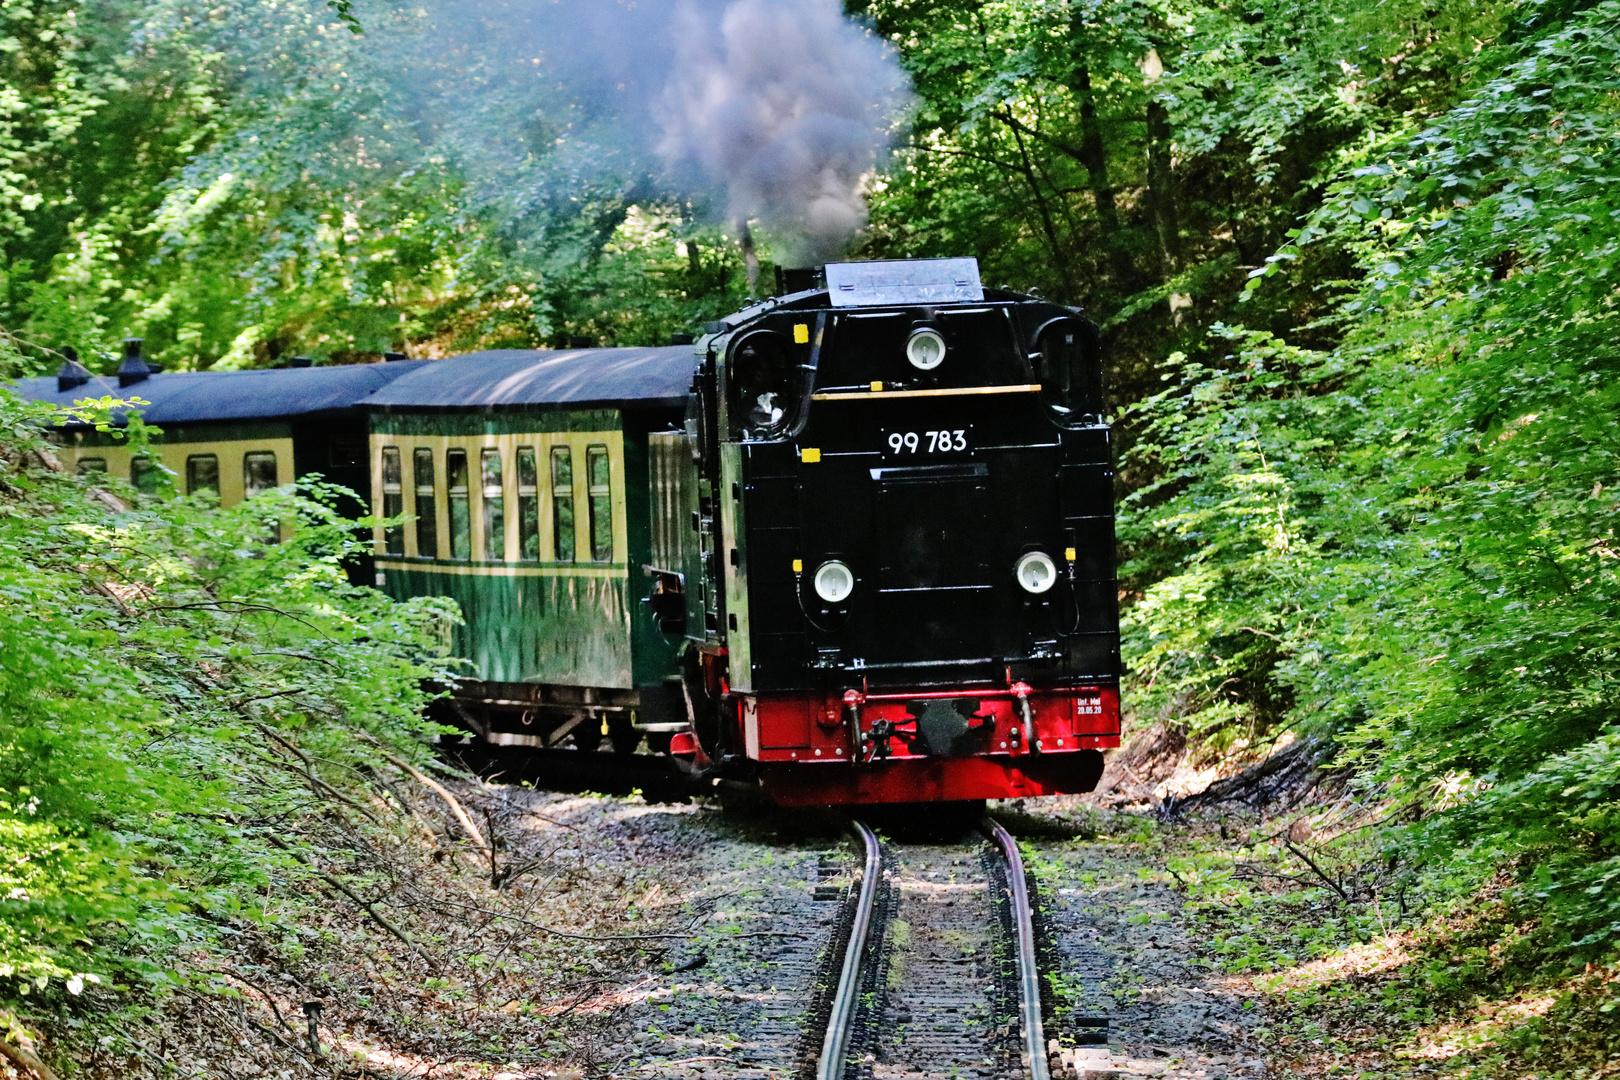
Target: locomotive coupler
882 731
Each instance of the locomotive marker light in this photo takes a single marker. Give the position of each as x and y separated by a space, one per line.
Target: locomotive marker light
833 581
925 348
1036 572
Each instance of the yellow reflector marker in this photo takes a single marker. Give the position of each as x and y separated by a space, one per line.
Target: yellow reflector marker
801 333
810 455
798 566
877 388
1068 553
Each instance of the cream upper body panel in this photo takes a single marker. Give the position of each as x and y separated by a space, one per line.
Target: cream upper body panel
232 459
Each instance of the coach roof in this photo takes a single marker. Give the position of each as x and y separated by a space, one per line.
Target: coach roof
262 394
523 378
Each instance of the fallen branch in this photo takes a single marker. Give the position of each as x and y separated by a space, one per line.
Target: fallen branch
101 588
1334 885
275 1036
368 908
22 1054
316 781
269 1000
24 1058
444 793
1264 781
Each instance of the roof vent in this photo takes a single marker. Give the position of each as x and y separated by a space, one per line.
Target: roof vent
301 361
72 373
680 339
388 357
578 341
133 369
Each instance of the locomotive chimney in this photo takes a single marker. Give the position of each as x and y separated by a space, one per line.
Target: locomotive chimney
133 369
72 373
793 279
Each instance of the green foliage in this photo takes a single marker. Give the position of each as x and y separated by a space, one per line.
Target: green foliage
1417 527
256 179
1139 156
150 654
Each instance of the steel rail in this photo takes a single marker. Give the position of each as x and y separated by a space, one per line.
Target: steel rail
841 1022
1029 976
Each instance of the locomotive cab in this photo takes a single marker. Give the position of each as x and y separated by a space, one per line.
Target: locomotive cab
899 579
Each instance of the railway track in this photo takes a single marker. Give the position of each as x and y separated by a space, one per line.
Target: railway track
938 975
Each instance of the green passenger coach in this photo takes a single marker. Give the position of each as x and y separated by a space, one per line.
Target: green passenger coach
523 479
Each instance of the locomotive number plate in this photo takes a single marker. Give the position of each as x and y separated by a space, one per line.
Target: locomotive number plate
925 443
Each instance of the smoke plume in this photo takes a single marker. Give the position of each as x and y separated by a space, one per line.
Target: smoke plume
766 111
784 107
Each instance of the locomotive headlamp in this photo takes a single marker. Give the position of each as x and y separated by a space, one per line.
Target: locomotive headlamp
925 348
833 581
1036 572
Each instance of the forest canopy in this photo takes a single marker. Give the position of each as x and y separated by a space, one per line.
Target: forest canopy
1356 263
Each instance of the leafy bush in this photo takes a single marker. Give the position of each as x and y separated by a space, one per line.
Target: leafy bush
153 652
1410 539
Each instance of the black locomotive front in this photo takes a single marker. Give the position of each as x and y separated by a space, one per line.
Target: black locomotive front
898 562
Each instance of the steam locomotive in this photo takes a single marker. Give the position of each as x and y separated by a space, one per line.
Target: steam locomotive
854 545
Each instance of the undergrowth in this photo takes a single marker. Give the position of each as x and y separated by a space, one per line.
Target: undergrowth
1374 969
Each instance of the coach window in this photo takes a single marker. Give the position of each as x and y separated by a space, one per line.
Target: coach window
455 478
146 475
427 520
393 502
202 473
601 493
494 507
1065 366
562 503
258 472
528 485
88 465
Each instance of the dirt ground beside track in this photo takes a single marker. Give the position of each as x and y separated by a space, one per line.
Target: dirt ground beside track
652 940
638 940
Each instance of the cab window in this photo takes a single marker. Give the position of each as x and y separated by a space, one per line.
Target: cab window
1066 366
759 386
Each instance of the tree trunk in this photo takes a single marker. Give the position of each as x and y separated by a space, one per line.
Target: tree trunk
1161 188
1094 155
1162 201
1059 261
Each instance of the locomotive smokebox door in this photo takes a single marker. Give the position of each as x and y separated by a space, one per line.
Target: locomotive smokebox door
933 544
